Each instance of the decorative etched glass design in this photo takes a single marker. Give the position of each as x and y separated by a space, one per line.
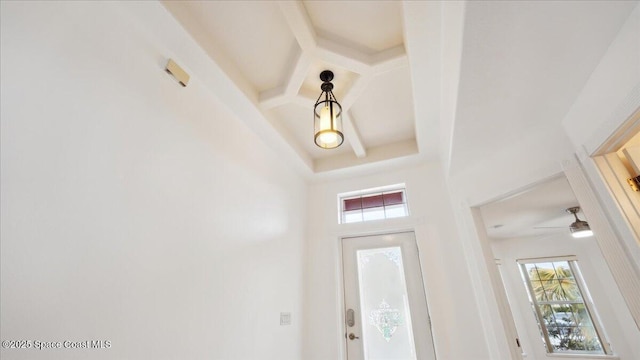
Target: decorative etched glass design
391 253
386 320
557 301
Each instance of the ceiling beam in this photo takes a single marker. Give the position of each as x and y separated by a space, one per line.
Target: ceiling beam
299 23
343 56
271 98
422 33
298 74
390 59
282 95
404 151
358 86
305 98
351 132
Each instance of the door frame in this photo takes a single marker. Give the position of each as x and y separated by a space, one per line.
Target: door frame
400 227
505 310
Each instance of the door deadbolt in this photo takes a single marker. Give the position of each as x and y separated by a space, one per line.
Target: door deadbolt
351 318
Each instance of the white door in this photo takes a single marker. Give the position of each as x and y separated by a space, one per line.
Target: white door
386 314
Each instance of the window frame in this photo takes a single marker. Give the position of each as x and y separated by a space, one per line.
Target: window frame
589 306
371 192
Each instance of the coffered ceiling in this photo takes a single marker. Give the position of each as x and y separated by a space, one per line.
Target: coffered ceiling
452 80
275 51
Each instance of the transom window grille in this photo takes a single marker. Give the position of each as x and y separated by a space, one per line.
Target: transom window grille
557 296
373 204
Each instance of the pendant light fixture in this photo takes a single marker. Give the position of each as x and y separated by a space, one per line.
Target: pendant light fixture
579 228
327 115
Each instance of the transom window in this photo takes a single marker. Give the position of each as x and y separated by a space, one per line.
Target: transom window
557 295
373 204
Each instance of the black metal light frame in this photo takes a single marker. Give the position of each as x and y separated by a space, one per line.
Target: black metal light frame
327 99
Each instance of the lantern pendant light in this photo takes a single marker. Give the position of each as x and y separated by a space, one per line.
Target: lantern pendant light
327 115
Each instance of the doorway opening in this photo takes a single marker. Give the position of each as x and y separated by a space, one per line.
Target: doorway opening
533 226
618 161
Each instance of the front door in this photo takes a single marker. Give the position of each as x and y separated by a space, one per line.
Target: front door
386 314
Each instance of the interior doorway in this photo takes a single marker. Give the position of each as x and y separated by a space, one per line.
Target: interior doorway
618 161
531 227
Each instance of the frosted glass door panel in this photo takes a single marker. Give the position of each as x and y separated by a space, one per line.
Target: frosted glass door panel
386 318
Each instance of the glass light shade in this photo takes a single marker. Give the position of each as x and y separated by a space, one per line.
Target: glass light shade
580 229
328 124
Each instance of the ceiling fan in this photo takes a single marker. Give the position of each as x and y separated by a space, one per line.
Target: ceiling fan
578 228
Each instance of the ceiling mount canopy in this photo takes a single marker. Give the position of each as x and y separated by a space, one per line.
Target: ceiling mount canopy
327 115
579 228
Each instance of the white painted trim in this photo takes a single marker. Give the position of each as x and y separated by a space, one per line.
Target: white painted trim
612 128
497 287
300 24
615 175
342 55
351 132
282 95
342 329
389 59
475 251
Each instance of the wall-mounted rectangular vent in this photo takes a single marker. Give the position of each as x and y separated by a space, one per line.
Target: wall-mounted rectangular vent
177 72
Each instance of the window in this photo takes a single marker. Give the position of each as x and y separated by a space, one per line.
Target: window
557 295
373 204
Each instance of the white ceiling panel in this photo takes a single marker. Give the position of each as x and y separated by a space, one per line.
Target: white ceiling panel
252 34
371 26
383 114
523 65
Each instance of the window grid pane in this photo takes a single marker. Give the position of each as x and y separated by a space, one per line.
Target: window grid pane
374 206
564 319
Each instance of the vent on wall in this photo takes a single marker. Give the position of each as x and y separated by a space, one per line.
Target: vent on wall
177 72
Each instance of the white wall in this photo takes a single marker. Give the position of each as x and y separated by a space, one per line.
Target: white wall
451 302
610 306
612 92
135 210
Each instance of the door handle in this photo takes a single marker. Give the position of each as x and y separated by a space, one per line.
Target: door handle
352 336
